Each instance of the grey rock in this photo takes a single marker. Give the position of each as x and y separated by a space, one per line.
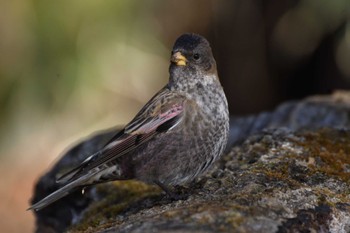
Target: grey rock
312 113
65 212
285 171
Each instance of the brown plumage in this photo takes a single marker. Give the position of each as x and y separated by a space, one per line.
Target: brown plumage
174 138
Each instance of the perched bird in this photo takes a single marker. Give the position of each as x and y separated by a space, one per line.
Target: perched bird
174 138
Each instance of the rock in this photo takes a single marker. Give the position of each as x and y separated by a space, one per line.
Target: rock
66 211
283 172
312 113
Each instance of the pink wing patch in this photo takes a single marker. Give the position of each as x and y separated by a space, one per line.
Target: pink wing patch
158 120
125 143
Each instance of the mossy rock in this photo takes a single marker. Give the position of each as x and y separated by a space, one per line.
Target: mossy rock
284 171
276 181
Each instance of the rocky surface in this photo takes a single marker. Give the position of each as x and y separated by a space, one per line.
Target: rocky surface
64 212
312 113
284 171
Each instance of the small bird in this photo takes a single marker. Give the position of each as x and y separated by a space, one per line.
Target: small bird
174 138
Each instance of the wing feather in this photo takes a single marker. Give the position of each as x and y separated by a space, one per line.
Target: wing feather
160 112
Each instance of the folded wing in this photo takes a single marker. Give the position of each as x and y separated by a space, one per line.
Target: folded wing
162 113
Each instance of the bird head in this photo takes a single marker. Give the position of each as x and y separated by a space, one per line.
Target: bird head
191 57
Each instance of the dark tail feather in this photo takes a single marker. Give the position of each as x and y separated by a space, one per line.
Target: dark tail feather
58 194
72 173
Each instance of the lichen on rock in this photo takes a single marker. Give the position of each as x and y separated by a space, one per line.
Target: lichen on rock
283 179
276 181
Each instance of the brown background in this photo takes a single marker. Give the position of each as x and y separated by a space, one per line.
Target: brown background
69 68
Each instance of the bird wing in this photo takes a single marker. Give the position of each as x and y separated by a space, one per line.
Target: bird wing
160 114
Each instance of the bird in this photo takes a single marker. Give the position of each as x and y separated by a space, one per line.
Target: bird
177 136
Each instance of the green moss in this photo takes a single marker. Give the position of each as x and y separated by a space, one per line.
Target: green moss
276 172
326 151
331 149
117 197
304 161
326 194
234 219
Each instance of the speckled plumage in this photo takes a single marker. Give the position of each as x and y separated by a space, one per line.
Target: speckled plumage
174 138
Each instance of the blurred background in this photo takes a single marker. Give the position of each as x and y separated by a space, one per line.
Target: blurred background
69 68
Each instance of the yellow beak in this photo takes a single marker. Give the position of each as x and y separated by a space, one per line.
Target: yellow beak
178 59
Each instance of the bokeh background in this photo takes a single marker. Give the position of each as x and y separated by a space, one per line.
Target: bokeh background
69 68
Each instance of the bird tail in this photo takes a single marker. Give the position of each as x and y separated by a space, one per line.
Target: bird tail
58 194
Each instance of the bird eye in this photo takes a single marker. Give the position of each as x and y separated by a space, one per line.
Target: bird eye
196 56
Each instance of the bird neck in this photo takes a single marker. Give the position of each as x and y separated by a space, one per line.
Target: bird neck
191 83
